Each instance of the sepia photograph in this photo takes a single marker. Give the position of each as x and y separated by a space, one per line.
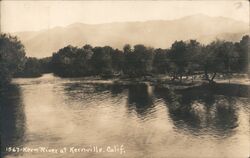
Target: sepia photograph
124 79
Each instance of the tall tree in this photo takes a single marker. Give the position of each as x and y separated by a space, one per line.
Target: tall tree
179 59
12 57
72 62
194 49
214 59
161 63
117 60
102 60
139 61
243 48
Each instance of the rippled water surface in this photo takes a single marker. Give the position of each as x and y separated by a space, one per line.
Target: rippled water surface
148 121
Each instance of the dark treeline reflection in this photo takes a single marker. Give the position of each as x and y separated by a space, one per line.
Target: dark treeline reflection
140 98
13 121
195 110
199 109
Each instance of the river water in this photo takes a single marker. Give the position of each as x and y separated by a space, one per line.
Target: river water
135 121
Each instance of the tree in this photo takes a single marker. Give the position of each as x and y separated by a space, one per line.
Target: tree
228 54
161 63
32 68
102 60
72 62
179 59
215 58
127 49
46 66
87 47
62 61
194 50
242 48
117 60
129 61
12 57
139 61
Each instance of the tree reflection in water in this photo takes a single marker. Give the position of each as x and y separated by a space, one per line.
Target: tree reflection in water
13 121
140 99
199 110
196 110
139 96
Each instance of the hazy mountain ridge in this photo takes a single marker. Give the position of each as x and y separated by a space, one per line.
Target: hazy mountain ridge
155 33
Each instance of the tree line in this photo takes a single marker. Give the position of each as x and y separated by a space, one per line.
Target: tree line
183 58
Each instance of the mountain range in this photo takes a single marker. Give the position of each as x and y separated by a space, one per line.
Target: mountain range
155 33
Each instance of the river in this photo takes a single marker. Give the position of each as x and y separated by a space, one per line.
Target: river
42 117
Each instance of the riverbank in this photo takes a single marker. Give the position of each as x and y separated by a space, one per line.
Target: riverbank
160 80
188 82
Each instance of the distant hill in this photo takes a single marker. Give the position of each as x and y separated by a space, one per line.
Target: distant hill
156 33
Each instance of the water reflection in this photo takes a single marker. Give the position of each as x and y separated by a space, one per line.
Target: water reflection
226 114
197 110
139 96
140 99
149 120
13 121
200 111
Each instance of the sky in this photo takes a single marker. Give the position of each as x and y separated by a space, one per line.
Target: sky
17 16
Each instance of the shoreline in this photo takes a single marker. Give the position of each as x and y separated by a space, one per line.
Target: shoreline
160 80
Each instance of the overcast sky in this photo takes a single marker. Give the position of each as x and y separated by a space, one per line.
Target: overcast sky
36 15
